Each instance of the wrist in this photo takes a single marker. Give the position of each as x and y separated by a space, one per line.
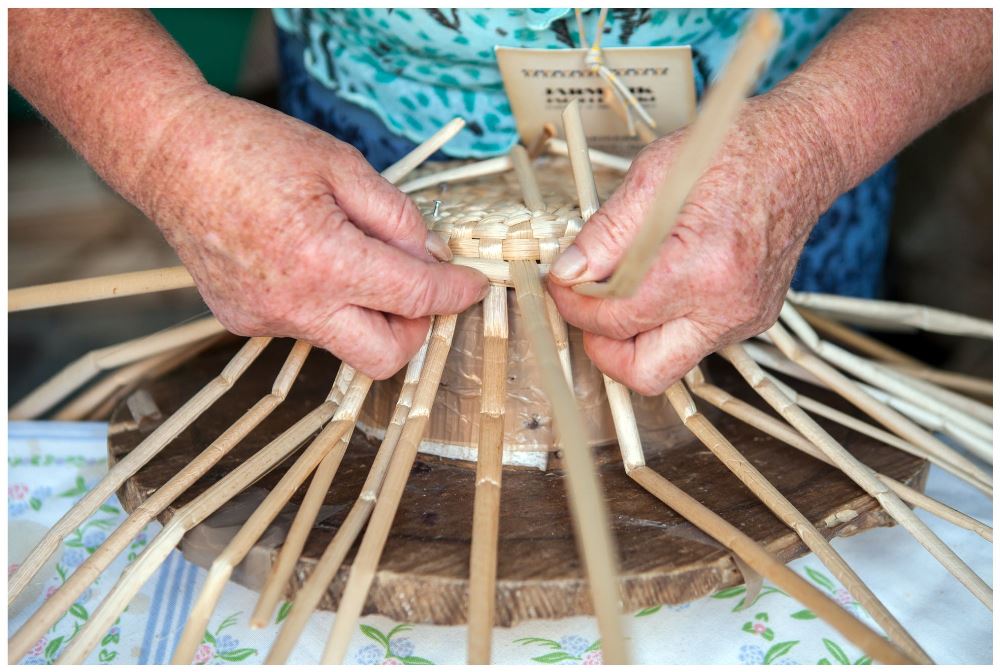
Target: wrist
809 163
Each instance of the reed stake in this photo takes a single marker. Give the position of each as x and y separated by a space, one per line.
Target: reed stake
558 147
949 459
54 390
332 440
96 289
766 564
190 515
586 501
876 313
859 341
489 470
853 393
366 561
131 463
329 563
943 402
773 427
757 483
60 601
705 137
114 385
856 471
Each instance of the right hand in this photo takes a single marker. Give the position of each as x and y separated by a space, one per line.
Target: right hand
290 232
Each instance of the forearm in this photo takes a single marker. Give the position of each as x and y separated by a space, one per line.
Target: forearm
884 77
111 81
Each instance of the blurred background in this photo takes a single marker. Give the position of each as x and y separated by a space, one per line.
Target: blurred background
64 223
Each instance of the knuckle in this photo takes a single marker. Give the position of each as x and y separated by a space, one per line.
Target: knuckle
614 321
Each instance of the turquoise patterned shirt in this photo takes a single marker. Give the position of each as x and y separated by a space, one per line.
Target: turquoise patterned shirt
417 68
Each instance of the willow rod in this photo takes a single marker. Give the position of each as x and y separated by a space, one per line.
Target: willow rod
778 429
99 288
147 449
779 505
329 563
949 460
190 515
589 512
857 471
54 390
949 405
98 400
60 601
766 564
334 438
366 561
876 313
489 472
853 393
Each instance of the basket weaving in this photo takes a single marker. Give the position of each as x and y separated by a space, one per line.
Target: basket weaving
695 496
486 220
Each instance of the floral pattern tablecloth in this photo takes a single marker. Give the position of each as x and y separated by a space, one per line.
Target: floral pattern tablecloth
50 465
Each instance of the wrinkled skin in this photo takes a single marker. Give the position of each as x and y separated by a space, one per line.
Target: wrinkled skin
289 231
722 274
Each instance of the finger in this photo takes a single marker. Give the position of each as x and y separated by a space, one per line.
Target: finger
381 210
616 318
377 345
602 241
392 281
653 360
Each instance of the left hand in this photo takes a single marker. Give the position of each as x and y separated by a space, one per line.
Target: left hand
722 275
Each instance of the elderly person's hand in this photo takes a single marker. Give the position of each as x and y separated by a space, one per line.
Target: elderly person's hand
289 231
879 80
723 272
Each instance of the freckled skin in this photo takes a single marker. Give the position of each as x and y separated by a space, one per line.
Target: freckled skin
286 231
878 81
289 232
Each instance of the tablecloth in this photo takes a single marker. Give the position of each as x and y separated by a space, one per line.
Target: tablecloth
51 464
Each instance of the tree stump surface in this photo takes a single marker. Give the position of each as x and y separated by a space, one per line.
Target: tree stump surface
423 573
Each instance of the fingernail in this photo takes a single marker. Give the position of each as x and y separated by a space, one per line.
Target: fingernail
485 292
570 264
437 247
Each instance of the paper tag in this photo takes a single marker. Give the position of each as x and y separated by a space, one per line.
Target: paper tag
541 82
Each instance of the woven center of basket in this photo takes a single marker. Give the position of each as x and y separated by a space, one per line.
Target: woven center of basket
487 224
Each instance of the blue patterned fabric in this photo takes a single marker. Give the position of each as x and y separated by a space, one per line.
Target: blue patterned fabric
383 80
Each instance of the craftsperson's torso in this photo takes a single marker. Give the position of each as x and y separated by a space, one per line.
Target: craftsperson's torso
385 79
417 68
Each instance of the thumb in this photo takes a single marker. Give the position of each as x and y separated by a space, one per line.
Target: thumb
598 247
603 240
